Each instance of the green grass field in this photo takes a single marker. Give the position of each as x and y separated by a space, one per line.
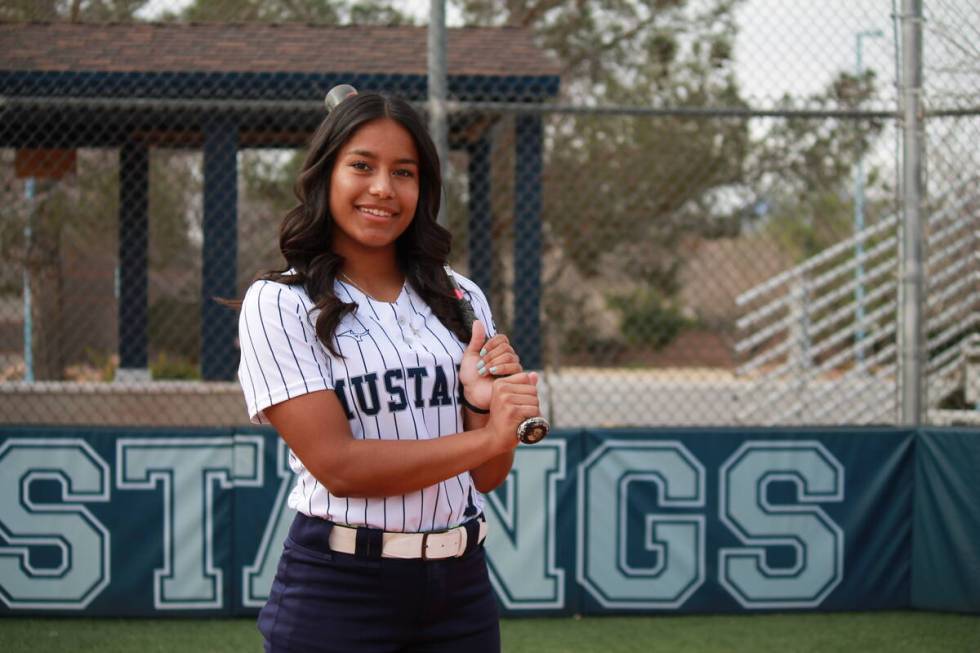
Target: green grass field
894 632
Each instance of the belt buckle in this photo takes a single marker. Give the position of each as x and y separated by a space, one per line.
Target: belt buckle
425 546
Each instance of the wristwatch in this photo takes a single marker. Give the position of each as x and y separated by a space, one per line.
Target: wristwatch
532 430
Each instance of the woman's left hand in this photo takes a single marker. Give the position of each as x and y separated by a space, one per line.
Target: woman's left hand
483 361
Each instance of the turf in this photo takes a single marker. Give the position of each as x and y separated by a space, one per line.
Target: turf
894 632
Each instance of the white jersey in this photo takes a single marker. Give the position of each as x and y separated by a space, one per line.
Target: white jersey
397 380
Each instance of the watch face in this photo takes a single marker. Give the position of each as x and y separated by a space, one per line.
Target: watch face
532 430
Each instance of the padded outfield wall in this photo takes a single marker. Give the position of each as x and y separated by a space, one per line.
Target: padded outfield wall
101 522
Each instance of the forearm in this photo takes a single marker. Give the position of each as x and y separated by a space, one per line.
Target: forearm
375 468
490 474
317 431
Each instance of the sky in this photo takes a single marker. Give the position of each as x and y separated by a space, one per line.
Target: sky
798 46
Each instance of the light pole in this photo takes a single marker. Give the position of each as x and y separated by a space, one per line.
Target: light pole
438 91
859 214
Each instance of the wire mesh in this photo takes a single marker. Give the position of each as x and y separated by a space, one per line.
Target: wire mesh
684 213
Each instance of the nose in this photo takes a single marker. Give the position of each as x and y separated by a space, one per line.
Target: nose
381 186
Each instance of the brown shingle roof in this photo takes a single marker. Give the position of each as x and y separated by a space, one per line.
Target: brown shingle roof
295 48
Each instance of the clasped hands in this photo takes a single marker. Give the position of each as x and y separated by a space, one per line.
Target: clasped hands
493 378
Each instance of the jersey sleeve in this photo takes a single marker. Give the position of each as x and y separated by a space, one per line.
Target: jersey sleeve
280 355
481 307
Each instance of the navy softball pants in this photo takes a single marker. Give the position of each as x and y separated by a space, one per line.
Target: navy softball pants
322 601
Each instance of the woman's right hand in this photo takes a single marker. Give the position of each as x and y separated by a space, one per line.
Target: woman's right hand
514 399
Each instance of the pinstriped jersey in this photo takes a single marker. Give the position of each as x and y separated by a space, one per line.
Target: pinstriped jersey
397 379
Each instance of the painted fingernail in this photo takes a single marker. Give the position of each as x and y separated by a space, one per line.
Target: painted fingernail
480 365
482 371
483 352
493 370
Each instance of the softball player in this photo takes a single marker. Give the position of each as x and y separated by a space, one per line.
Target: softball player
397 417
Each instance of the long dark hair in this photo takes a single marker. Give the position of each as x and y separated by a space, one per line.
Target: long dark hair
306 231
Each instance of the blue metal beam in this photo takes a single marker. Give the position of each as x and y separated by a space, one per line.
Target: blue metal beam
481 224
267 86
527 240
134 230
219 357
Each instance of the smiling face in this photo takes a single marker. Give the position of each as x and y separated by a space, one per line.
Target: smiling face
374 188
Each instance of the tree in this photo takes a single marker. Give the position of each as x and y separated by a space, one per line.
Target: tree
803 167
71 10
612 50
622 192
322 12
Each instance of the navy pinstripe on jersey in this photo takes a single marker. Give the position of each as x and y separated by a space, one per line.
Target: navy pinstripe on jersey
397 378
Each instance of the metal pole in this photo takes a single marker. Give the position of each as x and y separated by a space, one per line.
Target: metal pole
859 217
438 124
912 339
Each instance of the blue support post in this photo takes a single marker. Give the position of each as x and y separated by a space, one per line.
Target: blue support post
219 325
480 241
134 236
859 332
526 332
29 191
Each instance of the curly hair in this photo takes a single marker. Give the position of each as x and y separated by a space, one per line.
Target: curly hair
306 231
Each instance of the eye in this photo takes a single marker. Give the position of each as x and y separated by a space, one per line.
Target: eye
408 173
360 165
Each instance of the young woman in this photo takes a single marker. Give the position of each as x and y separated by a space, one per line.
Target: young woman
397 418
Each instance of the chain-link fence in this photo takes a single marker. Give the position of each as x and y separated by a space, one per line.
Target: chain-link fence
683 212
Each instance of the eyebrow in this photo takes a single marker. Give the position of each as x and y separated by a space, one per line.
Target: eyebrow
371 155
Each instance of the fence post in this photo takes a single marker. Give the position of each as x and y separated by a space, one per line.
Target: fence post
912 332
438 90
800 335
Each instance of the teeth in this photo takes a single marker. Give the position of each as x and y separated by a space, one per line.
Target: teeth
377 212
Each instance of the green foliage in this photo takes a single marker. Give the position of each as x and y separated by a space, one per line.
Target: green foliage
643 52
613 47
641 186
269 178
805 169
22 10
69 219
175 327
242 11
805 226
581 341
376 12
165 366
648 319
621 193
322 12
97 366
175 190
74 10
805 154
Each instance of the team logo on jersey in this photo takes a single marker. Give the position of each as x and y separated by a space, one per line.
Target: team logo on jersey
356 335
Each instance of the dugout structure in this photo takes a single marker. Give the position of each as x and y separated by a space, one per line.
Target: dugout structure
221 88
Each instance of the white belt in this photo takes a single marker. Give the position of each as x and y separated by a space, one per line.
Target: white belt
428 546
